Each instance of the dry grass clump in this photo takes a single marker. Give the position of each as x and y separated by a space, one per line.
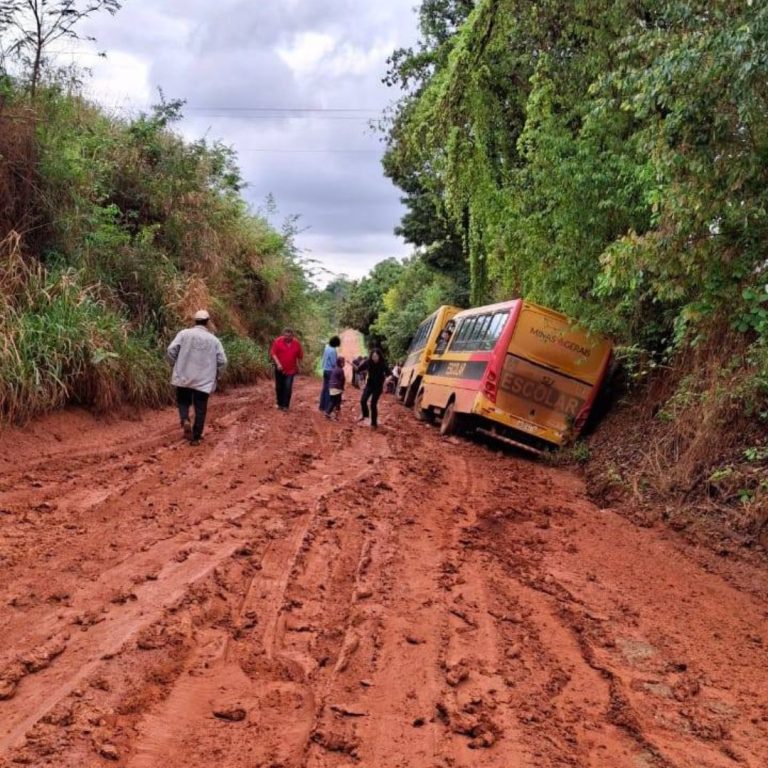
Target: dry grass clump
18 176
694 445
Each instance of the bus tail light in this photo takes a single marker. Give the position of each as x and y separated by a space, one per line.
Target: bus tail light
490 386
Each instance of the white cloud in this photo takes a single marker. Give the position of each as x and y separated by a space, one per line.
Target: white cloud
231 55
306 52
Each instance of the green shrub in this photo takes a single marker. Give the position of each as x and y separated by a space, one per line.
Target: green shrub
247 360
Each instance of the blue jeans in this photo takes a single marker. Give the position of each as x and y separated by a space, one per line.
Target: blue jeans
283 388
325 395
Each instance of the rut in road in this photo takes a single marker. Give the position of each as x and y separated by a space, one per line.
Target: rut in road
303 593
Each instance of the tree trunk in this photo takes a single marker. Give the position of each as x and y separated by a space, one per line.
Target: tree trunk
39 42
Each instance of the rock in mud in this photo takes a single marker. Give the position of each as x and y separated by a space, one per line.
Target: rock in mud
7 689
109 751
351 644
230 714
335 742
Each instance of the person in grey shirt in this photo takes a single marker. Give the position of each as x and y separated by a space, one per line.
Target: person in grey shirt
198 358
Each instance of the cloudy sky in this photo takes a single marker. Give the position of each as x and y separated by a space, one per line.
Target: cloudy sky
291 85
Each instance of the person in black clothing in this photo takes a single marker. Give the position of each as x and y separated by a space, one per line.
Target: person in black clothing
375 368
336 382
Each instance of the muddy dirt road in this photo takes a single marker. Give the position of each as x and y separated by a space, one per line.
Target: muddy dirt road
296 592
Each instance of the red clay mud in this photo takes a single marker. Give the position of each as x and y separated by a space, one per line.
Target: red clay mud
296 592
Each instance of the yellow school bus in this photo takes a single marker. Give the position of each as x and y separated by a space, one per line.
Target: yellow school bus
421 350
517 372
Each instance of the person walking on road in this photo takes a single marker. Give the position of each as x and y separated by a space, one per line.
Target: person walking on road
336 386
286 354
330 355
198 358
375 368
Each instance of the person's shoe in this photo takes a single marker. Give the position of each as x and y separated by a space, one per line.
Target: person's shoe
327 416
186 426
195 441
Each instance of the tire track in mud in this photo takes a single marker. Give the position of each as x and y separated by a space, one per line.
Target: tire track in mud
305 594
285 670
128 595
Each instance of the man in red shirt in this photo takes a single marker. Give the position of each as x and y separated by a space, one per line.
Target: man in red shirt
286 353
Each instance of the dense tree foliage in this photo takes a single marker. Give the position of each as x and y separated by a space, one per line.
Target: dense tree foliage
606 158
419 290
365 299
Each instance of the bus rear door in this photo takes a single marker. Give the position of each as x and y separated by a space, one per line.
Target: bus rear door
550 375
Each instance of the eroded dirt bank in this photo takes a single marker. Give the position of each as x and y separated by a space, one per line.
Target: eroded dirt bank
302 593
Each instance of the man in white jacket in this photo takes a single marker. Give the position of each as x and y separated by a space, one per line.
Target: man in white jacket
198 358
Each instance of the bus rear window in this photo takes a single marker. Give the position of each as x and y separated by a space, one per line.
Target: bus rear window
479 332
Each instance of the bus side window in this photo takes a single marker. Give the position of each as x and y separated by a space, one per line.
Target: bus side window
444 338
422 334
481 329
428 330
464 332
494 330
471 337
461 329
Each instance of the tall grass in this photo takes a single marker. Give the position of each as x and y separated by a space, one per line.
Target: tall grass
61 343
247 360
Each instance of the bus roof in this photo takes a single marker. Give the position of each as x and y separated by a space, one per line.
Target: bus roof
498 307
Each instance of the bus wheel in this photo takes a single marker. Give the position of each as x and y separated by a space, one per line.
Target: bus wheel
422 414
449 424
410 394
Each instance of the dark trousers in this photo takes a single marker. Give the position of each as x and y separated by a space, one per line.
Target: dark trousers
186 397
283 388
325 394
334 404
373 395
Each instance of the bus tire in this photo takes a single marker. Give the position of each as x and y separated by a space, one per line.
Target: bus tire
451 422
422 414
410 394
